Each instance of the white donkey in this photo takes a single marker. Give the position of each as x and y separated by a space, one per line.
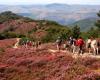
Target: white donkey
94 46
88 45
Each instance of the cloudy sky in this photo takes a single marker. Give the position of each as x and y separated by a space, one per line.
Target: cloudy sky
13 2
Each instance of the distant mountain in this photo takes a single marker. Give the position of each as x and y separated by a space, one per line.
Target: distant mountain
85 24
57 6
61 13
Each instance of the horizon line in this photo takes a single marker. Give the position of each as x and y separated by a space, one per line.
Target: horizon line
44 4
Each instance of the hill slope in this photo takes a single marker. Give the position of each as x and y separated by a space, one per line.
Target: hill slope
85 24
15 25
29 64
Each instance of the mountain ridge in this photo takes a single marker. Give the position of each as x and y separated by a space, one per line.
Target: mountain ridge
61 13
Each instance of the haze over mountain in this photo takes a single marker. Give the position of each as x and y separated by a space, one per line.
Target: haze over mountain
62 13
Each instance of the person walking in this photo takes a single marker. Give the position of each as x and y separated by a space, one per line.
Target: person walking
59 43
17 43
80 43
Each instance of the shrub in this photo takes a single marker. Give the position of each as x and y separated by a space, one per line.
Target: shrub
54 32
26 19
89 76
2 50
75 70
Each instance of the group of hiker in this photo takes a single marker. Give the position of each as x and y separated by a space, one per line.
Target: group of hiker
79 45
27 43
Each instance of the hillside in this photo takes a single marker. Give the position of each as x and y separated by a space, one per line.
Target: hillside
85 24
11 22
42 64
13 25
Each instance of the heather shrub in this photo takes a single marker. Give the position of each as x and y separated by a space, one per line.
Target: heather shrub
75 70
87 61
89 76
24 62
2 69
39 64
11 70
2 50
95 65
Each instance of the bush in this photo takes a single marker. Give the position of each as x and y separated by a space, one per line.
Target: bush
2 50
33 30
93 32
26 19
89 76
75 70
7 35
54 32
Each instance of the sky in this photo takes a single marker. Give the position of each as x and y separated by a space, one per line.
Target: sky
16 2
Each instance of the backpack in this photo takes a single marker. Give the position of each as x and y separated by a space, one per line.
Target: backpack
71 41
80 42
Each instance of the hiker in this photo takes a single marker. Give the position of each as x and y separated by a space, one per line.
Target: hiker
33 43
80 43
29 44
71 40
37 45
64 44
74 46
71 43
76 49
59 42
67 45
17 43
88 45
25 42
94 46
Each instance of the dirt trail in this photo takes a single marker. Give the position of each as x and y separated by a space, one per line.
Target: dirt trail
74 55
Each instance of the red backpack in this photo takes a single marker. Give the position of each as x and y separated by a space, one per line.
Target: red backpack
80 42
